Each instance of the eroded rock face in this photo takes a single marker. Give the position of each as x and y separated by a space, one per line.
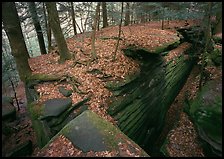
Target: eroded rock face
89 133
206 112
140 105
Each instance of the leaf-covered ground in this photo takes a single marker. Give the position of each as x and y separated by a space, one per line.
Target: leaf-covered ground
143 35
147 35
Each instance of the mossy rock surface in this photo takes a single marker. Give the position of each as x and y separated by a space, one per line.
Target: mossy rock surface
55 107
206 112
22 150
89 132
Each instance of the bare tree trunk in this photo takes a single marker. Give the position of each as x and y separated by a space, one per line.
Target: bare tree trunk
11 80
17 103
73 18
96 18
163 20
104 11
208 41
119 33
82 25
55 26
86 18
48 28
13 30
78 27
37 26
98 21
218 26
127 15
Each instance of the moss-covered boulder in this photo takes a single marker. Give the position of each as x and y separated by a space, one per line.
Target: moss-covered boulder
206 113
49 117
142 104
88 132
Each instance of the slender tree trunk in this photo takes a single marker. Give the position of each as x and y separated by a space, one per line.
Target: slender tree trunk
127 15
13 30
55 26
163 20
13 87
96 18
11 80
82 25
208 41
48 28
86 18
37 26
98 21
78 27
119 33
104 11
73 18
218 26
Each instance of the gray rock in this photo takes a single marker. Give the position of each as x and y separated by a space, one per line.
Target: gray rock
65 92
55 107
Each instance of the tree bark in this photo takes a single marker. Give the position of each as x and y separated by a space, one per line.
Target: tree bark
163 20
86 17
218 26
127 15
104 11
98 21
96 18
48 28
13 30
73 18
208 41
55 26
32 9
119 33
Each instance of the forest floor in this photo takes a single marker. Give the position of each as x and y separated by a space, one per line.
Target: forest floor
92 84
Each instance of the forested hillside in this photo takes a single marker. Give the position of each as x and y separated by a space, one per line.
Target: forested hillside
112 79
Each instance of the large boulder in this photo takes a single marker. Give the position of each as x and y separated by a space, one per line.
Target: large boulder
206 113
90 133
49 117
140 106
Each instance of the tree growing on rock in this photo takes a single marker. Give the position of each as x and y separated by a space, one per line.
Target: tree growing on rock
55 26
14 33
